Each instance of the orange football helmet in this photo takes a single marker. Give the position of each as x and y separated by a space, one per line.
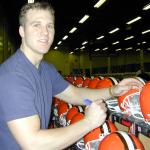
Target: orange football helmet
62 111
93 82
145 101
86 82
72 112
92 139
129 103
120 140
106 82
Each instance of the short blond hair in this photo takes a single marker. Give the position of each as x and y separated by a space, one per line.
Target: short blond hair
31 6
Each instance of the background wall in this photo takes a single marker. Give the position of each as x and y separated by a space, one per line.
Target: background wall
82 63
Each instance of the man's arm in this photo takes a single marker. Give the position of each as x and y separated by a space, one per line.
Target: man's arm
75 95
28 134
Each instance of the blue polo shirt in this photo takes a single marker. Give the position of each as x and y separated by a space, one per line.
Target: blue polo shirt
26 91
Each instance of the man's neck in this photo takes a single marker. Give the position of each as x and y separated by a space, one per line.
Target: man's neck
32 56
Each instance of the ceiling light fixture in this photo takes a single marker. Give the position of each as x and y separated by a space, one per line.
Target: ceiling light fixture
84 42
128 38
119 49
82 47
71 52
55 47
73 30
65 37
146 31
99 3
105 48
134 20
30 1
84 19
129 48
115 43
100 37
59 42
146 7
96 49
114 30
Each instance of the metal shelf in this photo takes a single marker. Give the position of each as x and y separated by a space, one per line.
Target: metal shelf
137 126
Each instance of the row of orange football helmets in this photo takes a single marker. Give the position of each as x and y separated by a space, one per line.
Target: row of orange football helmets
102 138
135 103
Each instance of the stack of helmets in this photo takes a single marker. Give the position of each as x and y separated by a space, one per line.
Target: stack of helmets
106 82
77 117
86 82
62 109
93 138
70 79
93 83
120 140
78 81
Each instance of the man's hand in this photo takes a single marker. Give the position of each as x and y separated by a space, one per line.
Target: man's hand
125 85
95 114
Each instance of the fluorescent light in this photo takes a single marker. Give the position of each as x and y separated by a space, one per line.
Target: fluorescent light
114 43
71 52
138 49
30 1
65 37
144 42
128 38
105 48
96 49
84 42
59 42
84 19
73 30
76 49
82 47
119 49
146 7
128 48
146 31
99 3
55 47
134 20
114 30
100 37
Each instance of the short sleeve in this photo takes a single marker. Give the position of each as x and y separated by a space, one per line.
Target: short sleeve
59 84
16 97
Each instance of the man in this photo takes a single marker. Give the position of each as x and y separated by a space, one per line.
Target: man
28 85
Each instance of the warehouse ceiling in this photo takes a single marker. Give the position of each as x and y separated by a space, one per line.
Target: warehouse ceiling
95 31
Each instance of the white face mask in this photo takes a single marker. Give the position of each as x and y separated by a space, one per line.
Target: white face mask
131 106
113 106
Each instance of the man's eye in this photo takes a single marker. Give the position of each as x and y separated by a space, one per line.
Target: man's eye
50 26
36 25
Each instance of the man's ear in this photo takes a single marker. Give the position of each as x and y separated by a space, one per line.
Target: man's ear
21 31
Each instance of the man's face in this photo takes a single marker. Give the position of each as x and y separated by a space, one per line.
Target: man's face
38 31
